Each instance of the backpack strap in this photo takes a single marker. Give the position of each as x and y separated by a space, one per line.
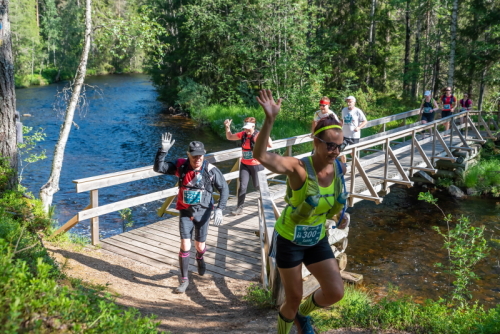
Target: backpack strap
252 139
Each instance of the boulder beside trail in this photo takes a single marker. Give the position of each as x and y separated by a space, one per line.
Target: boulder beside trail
456 192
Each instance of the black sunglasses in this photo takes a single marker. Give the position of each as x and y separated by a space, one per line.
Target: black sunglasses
448 90
322 105
332 146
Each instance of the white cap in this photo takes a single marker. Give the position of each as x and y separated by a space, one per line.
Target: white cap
350 98
248 125
427 93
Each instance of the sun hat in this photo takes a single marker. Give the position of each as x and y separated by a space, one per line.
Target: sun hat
249 125
427 93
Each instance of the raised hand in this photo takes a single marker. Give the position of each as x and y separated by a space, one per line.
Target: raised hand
166 141
266 100
227 122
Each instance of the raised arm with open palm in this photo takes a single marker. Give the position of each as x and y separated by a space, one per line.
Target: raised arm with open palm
274 162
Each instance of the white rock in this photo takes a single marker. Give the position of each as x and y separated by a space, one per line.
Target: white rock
456 192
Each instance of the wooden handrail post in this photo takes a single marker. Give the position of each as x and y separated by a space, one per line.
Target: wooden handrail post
94 222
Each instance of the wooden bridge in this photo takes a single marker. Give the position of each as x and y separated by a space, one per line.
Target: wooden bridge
239 248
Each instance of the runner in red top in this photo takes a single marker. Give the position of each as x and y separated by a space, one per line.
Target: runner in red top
448 104
197 181
249 166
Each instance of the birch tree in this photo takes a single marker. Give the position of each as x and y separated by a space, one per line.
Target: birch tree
8 145
48 190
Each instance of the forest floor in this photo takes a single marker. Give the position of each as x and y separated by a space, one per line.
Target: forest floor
211 304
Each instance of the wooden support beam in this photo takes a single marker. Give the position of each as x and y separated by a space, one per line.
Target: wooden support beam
474 129
375 199
69 224
398 181
396 163
464 148
365 178
430 170
443 144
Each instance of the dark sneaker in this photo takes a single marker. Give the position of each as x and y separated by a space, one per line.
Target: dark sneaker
304 323
238 211
201 266
182 287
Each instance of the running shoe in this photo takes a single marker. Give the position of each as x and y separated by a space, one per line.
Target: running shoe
238 211
305 324
201 266
182 287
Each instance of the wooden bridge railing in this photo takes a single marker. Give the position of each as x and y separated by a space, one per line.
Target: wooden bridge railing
384 139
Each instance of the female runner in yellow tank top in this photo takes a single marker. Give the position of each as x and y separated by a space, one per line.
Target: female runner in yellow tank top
290 252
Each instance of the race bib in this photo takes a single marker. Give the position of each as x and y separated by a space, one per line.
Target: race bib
192 197
305 235
247 155
427 110
447 107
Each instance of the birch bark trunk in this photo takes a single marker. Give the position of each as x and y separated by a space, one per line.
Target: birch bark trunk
48 190
8 144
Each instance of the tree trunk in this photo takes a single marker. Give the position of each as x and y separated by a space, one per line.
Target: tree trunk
407 51
437 65
371 39
482 88
8 145
48 190
451 69
416 65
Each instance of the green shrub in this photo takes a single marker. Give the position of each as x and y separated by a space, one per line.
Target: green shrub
31 299
484 177
259 297
357 309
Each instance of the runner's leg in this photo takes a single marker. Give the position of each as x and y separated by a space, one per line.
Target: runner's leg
244 178
331 286
186 227
291 278
201 223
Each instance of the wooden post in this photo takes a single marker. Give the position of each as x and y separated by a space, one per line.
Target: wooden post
386 167
412 151
434 143
94 222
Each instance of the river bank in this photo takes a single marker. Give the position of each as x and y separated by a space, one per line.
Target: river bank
52 76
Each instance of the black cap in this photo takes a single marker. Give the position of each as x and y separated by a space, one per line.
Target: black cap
196 148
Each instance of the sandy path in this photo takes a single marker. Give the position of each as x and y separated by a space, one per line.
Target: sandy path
211 304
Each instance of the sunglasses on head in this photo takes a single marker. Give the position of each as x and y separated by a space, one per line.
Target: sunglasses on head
332 146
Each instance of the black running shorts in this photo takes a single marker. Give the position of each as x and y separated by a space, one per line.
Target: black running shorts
351 141
289 255
446 113
198 223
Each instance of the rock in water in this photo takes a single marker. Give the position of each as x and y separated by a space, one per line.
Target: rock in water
456 192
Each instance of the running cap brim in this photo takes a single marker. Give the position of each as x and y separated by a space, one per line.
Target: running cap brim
248 125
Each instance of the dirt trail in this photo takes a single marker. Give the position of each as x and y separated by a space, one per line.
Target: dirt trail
211 304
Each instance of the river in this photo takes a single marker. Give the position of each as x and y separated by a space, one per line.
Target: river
120 130
390 244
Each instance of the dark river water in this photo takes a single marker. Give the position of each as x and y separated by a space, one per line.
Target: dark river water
390 244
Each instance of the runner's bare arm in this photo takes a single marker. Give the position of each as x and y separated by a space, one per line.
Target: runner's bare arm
274 162
229 135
